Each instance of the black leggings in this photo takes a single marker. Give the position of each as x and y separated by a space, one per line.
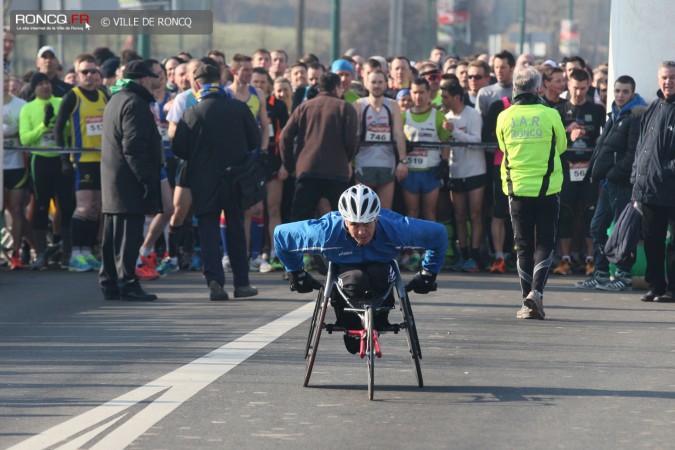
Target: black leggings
48 183
535 222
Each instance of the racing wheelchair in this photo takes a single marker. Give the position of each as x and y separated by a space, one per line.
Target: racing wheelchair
366 310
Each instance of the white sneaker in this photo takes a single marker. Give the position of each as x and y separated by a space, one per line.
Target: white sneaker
226 264
254 264
535 301
265 266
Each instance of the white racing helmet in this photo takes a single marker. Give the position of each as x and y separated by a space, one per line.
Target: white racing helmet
359 204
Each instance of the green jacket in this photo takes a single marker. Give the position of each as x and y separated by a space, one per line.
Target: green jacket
32 131
532 137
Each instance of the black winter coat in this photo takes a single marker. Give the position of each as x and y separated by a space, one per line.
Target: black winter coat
131 154
614 152
654 168
217 133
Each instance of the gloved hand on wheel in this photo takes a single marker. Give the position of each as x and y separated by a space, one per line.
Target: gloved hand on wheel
423 282
302 282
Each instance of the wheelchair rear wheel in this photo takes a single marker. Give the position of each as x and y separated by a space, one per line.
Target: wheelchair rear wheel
315 331
370 351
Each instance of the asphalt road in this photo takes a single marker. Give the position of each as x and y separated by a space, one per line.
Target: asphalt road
183 372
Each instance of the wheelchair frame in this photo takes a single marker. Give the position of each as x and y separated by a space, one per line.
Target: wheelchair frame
370 347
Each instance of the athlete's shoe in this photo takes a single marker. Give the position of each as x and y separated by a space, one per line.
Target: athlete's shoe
79 263
590 267
40 263
592 282
145 273
470 266
524 313
563 268
457 266
499 266
167 266
196 262
621 281
535 301
226 264
93 262
254 264
265 267
15 263
276 263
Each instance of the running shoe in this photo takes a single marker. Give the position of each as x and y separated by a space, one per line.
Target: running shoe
145 273
16 263
457 266
470 266
598 278
254 264
535 301
564 268
524 313
265 267
196 262
276 263
79 264
499 266
40 263
167 266
622 281
93 262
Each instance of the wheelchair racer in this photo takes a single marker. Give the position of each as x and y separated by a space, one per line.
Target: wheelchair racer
361 239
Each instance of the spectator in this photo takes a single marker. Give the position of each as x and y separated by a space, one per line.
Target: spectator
533 138
47 64
217 121
654 186
131 158
611 163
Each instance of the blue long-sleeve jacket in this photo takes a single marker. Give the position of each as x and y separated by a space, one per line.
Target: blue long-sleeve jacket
328 236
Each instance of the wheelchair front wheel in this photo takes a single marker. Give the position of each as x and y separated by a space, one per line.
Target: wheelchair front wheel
370 351
315 333
312 325
411 335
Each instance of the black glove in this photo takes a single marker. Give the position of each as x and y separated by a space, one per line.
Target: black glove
49 114
67 166
302 282
423 282
443 171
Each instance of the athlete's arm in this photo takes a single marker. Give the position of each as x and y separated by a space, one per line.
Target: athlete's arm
264 121
399 140
67 107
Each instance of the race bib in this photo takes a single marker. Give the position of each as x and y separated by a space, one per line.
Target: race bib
578 170
10 142
376 133
94 126
48 139
418 159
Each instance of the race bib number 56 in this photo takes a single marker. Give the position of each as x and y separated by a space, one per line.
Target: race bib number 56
578 170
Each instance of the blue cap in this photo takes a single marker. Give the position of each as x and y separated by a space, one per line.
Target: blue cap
342 64
401 93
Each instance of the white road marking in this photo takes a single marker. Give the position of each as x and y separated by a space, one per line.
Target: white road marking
175 387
